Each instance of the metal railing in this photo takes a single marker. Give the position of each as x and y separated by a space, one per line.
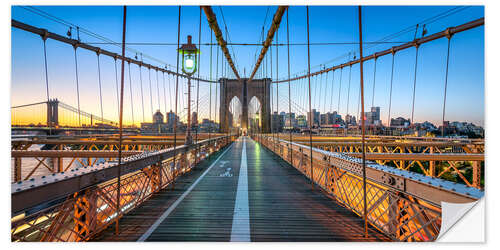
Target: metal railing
77 204
403 205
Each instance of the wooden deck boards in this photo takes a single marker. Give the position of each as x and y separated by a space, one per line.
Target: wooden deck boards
282 205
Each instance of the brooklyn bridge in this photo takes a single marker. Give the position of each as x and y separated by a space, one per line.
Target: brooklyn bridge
166 153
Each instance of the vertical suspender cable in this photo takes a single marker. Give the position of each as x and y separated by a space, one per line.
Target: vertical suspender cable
150 92
278 127
446 83
131 94
272 90
170 79
340 88
324 99
390 91
121 123
158 90
117 88
164 94
217 89
365 210
198 83
46 78
177 87
310 108
348 94
414 82
100 85
289 87
331 96
210 89
142 94
374 75
78 88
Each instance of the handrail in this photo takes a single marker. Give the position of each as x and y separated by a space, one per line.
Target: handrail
27 194
403 205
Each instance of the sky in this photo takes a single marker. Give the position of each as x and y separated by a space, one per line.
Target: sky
335 25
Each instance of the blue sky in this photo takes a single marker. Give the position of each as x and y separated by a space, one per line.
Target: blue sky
328 24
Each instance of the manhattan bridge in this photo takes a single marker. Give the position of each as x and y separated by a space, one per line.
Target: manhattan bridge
245 172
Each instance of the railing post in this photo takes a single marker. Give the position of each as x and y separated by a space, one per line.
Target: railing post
476 172
432 164
17 169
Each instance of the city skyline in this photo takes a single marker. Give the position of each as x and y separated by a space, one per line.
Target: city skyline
465 100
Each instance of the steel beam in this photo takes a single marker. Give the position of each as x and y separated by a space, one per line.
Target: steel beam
420 157
71 153
46 34
212 21
270 35
445 33
433 190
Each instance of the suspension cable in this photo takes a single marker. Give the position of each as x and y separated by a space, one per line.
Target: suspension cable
310 108
340 88
177 87
365 209
158 89
100 88
414 82
121 123
374 77
333 85
198 84
78 88
348 97
44 38
164 94
289 86
150 92
210 90
131 94
117 88
217 89
142 94
390 91
272 89
446 83
324 99
277 90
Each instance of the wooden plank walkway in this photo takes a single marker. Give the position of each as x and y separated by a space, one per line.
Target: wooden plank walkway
281 205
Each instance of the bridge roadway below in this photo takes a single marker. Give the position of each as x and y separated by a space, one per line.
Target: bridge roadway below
244 193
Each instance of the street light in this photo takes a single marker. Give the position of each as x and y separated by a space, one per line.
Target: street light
189 54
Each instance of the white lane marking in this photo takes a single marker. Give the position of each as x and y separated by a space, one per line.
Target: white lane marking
241 217
222 163
179 200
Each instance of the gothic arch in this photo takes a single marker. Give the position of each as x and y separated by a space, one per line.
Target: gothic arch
260 88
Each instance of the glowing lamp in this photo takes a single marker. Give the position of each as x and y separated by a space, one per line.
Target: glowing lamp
189 54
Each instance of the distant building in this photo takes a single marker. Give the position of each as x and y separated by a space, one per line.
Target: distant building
158 117
278 122
157 126
351 120
301 121
373 117
400 122
313 118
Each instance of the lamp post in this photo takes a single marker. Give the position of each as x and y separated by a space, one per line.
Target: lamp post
189 53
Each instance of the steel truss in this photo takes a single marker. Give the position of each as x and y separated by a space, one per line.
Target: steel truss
405 206
80 215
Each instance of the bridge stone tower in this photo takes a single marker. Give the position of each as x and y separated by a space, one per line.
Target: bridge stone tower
244 91
53 112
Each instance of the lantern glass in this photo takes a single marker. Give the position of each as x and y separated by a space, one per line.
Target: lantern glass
189 63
